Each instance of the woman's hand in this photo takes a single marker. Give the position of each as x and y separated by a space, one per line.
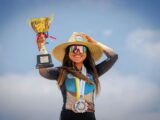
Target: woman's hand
105 48
41 40
90 40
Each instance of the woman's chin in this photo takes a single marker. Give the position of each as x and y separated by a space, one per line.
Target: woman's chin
78 62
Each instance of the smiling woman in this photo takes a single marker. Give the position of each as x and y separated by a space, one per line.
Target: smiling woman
78 75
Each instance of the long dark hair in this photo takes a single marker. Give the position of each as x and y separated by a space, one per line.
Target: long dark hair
68 67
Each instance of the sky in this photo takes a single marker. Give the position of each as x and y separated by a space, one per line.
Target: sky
129 90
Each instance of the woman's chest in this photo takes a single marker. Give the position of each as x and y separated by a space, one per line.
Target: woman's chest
70 84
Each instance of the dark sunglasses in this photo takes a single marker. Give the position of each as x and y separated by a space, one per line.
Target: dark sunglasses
77 48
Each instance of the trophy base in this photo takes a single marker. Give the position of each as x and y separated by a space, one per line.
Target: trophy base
44 61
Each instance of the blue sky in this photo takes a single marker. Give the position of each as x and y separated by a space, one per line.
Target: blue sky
130 27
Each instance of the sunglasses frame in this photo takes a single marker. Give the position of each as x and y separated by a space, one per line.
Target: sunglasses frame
76 48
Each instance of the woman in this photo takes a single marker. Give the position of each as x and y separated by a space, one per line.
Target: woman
78 75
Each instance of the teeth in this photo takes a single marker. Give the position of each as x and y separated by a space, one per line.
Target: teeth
77 56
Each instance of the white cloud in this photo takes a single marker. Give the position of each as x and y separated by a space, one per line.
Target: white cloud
128 97
29 97
146 43
123 97
107 33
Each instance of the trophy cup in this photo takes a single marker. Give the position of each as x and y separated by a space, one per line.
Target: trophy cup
41 26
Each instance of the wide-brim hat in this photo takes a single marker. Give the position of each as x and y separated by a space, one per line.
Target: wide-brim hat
77 39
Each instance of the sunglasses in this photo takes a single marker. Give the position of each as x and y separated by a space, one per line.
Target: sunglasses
77 48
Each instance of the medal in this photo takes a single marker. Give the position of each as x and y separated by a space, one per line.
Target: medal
80 106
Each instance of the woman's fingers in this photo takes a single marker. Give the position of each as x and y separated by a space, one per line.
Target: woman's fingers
90 39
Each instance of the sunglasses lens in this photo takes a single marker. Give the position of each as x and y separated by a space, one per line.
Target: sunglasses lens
76 49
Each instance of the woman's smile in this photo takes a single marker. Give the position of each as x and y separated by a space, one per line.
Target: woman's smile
77 55
77 58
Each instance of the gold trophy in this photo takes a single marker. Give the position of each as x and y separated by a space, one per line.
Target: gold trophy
41 26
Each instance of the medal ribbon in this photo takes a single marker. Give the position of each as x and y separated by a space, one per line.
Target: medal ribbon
80 85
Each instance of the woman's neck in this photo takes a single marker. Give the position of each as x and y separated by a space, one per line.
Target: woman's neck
79 66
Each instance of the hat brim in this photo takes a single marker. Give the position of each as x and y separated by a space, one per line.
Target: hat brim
59 51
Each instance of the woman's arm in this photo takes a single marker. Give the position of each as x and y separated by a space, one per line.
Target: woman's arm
105 65
49 73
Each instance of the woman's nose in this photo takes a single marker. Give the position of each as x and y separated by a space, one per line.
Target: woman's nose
77 52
